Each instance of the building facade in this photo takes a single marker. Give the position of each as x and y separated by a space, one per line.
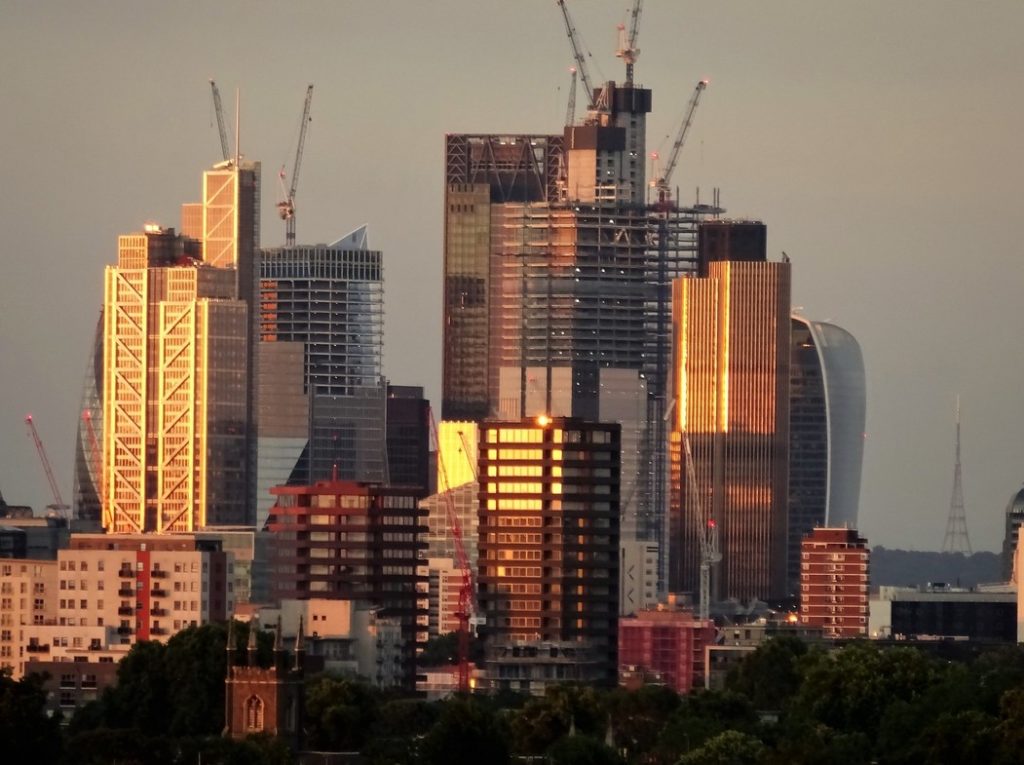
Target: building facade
834 580
320 395
731 401
345 540
664 646
549 534
174 395
104 593
1011 535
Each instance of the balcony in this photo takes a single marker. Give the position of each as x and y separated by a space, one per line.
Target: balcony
126 573
158 631
159 593
124 630
158 573
158 611
126 592
125 611
38 648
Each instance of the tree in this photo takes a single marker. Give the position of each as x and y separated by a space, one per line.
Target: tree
702 716
728 748
339 713
28 734
468 732
582 750
638 717
771 674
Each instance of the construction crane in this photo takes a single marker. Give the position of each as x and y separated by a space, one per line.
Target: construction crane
286 208
465 604
577 53
628 51
662 184
570 111
707 533
58 501
97 455
218 107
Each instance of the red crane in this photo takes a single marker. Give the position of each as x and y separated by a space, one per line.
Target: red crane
465 604
58 501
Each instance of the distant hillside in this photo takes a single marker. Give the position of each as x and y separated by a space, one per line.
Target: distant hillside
910 568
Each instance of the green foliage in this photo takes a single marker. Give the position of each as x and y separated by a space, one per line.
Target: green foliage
339 714
542 721
770 675
468 732
702 716
728 748
27 733
638 717
582 750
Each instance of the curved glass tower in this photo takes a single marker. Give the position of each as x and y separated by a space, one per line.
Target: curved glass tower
827 417
88 501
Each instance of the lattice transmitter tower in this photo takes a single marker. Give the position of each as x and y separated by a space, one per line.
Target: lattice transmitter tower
957 539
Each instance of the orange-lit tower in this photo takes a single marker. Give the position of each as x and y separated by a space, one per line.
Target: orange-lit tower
731 334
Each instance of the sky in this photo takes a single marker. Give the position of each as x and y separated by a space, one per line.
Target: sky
880 142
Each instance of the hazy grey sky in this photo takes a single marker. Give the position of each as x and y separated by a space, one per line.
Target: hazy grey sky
880 141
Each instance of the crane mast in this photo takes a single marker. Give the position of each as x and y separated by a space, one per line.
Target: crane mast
707 533
628 51
58 501
465 604
286 208
570 111
218 107
581 62
662 183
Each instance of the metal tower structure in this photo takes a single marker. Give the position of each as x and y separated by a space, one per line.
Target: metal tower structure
957 539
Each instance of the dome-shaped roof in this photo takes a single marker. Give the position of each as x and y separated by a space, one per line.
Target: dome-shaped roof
1016 506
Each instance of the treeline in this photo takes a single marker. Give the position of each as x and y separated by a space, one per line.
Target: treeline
786 703
911 568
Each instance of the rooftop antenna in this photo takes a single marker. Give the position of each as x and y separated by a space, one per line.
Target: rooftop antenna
956 539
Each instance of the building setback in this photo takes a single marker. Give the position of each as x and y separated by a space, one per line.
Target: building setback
834 582
345 540
731 399
549 536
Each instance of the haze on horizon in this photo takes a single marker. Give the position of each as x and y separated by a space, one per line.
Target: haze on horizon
879 142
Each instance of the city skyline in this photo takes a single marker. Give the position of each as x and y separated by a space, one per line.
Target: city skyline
889 236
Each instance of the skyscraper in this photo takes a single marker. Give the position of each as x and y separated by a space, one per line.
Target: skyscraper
549 534
731 400
554 261
174 335
174 390
826 432
321 398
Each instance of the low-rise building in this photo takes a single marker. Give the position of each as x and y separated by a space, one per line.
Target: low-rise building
941 612
665 647
834 582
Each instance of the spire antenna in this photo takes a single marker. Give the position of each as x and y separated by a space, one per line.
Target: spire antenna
957 539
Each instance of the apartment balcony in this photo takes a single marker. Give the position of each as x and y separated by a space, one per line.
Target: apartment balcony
158 611
126 573
37 648
126 592
125 611
159 593
124 630
158 573
158 631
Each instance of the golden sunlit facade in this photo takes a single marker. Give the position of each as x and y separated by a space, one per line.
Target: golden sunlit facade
730 387
549 532
174 406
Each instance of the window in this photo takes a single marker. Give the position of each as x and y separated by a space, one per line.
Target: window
254 714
